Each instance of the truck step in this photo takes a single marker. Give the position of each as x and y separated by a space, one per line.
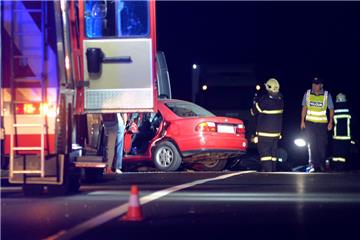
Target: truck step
89 159
90 164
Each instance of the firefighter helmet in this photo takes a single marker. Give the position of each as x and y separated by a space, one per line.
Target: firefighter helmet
272 85
340 98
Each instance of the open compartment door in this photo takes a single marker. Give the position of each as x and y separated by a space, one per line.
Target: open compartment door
118 57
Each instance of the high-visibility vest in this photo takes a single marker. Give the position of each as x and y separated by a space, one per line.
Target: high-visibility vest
316 107
342 119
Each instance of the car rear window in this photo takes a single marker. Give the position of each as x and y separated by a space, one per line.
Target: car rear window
186 109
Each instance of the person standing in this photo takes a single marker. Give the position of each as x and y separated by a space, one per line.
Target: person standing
342 135
268 110
119 143
114 126
315 122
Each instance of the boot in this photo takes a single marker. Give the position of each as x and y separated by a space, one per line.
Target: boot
266 166
274 166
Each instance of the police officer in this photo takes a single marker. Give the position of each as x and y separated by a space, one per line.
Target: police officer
342 134
269 111
314 120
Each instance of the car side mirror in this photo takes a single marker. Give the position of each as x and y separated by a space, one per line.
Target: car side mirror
94 57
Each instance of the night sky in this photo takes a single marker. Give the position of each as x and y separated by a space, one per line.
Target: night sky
291 41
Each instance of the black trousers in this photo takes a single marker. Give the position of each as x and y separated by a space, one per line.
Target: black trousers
267 148
340 154
316 134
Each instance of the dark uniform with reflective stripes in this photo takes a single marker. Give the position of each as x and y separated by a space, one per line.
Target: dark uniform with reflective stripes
341 136
269 111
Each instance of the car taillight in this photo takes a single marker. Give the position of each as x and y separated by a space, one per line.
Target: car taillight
240 128
28 108
206 127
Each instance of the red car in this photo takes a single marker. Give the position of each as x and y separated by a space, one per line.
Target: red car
183 132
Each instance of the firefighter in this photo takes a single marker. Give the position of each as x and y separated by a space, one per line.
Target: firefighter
269 112
342 135
314 120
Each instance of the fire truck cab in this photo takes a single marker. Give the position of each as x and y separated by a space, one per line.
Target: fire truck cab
66 65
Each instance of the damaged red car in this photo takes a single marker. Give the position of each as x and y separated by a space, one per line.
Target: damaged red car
182 132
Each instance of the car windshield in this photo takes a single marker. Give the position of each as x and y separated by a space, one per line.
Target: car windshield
186 109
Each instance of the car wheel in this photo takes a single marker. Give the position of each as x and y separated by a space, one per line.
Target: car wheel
166 157
214 165
70 185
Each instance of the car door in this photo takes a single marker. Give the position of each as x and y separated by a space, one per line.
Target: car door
118 57
163 78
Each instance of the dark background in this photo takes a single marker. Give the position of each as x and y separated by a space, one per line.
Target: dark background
291 41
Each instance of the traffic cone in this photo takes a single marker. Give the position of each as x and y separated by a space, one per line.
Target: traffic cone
134 212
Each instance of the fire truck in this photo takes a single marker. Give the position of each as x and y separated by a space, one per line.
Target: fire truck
65 64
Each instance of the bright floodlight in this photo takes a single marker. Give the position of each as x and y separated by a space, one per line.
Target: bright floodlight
258 87
204 87
300 142
195 66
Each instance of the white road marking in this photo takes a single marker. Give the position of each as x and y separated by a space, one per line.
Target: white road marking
122 209
270 197
10 189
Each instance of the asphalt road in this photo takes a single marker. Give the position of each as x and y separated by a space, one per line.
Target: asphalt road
193 205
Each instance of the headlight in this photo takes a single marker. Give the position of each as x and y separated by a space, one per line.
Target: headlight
300 142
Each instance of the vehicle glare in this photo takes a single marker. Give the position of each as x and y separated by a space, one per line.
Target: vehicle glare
300 142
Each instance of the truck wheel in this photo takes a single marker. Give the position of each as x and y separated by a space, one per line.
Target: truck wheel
166 157
93 175
70 185
214 165
32 190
